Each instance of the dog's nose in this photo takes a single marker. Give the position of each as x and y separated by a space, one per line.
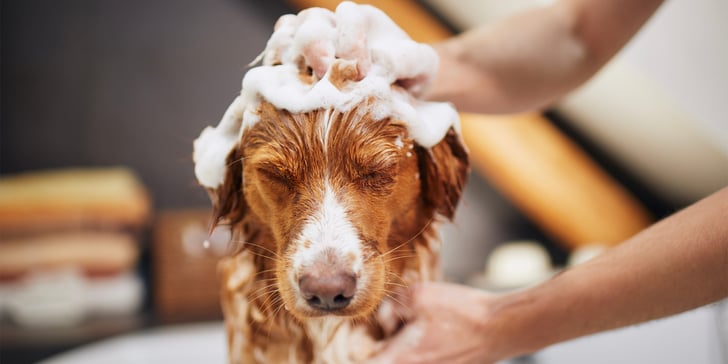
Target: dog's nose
329 291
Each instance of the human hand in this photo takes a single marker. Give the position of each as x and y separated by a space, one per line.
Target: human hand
360 34
445 323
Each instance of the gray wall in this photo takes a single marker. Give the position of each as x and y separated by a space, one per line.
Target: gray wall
95 83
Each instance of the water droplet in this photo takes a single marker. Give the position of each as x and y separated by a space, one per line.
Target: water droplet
206 244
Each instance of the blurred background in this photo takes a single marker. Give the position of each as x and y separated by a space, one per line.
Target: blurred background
102 223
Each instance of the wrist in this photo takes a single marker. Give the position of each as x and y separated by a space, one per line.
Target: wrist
515 324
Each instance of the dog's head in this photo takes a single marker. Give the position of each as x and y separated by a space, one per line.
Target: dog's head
327 164
342 195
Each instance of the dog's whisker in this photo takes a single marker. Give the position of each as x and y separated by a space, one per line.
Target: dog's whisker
361 320
397 257
266 271
398 284
258 294
390 251
396 277
260 254
273 308
251 244
424 228
391 295
270 316
267 281
272 319
264 280
271 291
241 159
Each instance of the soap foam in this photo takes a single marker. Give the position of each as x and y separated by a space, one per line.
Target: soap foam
383 55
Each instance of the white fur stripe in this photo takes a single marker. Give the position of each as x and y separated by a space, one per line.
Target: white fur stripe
328 229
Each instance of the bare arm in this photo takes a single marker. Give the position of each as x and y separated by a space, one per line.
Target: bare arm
529 60
677 264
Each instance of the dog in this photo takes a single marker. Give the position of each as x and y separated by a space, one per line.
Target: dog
332 212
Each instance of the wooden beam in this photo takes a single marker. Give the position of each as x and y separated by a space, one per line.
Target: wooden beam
551 179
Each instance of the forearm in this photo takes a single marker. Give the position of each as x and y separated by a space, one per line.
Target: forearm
527 61
678 264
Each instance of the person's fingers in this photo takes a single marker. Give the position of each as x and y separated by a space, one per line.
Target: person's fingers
314 39
280 41
394 311
406 304
319 54
352 28
400 348
287 20
355 33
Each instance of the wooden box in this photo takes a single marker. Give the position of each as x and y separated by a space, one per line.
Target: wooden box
184 260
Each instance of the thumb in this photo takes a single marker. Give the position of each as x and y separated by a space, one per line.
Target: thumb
405 305
396 311
399 347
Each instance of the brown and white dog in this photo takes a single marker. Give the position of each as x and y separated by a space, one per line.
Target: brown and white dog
332 211
336 214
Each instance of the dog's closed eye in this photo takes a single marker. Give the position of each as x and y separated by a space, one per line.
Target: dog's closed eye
276 175
378 181
374 168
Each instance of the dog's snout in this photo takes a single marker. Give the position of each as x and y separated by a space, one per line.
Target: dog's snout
328 290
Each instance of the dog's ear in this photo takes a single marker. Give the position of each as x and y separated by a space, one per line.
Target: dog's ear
228 201
443 171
